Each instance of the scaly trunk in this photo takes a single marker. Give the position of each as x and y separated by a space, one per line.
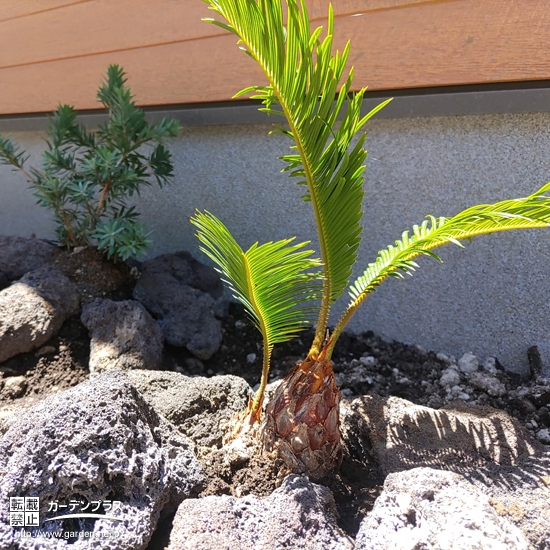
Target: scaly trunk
302 419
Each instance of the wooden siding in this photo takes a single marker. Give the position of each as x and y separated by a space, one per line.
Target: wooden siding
56 51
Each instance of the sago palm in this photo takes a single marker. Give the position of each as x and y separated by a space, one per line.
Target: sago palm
277 282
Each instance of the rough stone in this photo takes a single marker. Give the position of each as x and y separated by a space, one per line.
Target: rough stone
98 441
123 334
425 508
185 297
19 255
521 494
486 382
449 377
459 437
299 515
14 386
199 407
33 309
468 363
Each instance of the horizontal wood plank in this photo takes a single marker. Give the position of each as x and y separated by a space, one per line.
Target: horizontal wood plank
12 9
92 27
397 44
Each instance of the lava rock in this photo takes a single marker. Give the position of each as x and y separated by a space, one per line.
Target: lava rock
297 515
185 297
425 508
520 493
98 441
199 407
459 437
33 309
123 334
19 255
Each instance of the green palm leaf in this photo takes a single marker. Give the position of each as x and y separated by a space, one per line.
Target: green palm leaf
273 280
530 212
304 77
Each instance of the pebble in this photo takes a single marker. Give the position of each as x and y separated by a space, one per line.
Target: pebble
368 360
544 436
449 377
239 324
14 386
490 365
251 357
468 362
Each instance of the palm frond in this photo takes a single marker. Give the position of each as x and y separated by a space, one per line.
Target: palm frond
530 212
304 77
274 281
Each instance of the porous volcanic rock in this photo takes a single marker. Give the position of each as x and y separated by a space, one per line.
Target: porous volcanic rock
299 515
185 297
33 309
98 441
123 334
426 508
19 255
199 407
459 437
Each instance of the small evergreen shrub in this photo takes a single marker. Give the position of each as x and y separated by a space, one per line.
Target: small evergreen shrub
88 177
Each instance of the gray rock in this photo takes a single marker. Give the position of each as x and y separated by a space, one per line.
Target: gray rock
459 437
19 255
544 436
185 314
199 407
544 354
98 441
33 309
521 494
487 383
124 336
449 377
468 363
297 515
425 508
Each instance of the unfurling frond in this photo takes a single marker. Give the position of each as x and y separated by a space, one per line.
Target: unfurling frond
273 280
304 77
530 212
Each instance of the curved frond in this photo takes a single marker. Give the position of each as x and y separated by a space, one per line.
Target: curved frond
273 280
530 212
304 77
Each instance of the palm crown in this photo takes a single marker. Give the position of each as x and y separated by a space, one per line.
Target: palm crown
307 86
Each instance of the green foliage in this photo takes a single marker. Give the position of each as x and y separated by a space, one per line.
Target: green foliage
273 280
87 177
303 80
304 77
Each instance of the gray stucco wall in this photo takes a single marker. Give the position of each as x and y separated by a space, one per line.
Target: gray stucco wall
491 298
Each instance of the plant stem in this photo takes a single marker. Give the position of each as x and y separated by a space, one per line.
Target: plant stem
106 189
259 397
340 326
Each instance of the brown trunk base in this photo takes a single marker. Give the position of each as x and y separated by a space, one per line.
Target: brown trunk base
302 420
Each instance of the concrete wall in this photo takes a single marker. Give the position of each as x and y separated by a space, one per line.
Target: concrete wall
491 298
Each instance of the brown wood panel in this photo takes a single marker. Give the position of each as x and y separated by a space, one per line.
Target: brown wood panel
11 9
92 27
433 43
99 27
